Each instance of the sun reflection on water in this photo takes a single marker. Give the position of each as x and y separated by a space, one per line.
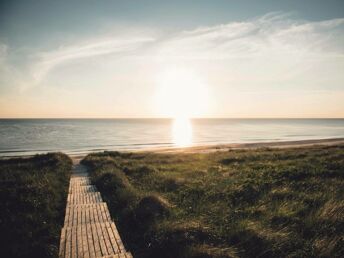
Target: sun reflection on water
182 132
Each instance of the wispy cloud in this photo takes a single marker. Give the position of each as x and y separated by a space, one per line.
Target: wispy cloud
11 78
48 60
268 36
266 51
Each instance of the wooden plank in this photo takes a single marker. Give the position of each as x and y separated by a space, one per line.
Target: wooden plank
113 241
84 241
100 212
68 242
87 216
66 215
96 242
74 244
75 217
107 213
101 239
96 218
93 215
117 237
106 238
90 241
79 210
62 243
80 245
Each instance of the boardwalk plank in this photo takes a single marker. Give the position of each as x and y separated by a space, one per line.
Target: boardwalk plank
68 242
90 241
74 245
101 239
118 239
62 243
84 241
80 251
112 238
106 239
96 240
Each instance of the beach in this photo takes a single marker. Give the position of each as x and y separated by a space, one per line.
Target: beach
253 145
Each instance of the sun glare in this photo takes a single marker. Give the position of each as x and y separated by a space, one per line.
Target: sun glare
182 132
181 93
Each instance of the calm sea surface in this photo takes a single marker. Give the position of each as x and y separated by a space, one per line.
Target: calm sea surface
76 136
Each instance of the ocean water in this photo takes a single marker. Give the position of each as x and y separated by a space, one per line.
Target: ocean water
80 136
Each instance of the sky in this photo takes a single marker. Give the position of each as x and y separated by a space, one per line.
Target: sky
120 59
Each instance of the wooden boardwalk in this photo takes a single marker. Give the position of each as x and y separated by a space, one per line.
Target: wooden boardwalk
88 229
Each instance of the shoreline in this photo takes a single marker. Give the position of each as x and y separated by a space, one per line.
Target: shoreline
232 146
212 147
250 145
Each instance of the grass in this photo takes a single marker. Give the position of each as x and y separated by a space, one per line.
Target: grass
240 203
33 194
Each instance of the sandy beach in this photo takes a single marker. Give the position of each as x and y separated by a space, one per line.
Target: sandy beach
253 145
220 147
225 147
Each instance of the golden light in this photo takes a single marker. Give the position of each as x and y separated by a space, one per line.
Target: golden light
181 93
182 132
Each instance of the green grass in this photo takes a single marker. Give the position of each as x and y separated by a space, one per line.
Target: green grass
240 203
33 194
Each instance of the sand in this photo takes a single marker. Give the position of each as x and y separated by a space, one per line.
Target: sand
224 147
253 145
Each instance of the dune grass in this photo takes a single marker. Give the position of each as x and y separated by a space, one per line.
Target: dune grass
239 203
33 194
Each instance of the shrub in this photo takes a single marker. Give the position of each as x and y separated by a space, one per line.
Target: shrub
33 193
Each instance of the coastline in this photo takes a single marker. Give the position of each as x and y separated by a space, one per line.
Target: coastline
251 145
234 146
213 147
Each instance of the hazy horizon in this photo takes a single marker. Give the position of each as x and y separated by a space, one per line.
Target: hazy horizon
155 59
124 118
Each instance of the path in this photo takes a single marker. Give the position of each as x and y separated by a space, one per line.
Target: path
88 229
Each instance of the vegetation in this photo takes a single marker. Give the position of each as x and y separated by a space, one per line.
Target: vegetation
33 193
240 203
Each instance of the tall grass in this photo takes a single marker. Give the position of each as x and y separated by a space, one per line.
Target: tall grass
240 203
33 194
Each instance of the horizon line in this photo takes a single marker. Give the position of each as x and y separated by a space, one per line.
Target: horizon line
110 118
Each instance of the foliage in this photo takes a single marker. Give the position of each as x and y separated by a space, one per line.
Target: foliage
33 194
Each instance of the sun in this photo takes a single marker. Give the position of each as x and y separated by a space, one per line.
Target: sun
181 93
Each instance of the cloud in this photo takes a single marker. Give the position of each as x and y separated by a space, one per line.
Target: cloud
11 78
273 51
48 60
273 35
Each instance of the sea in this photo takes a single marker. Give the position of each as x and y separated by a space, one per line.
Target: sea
81 136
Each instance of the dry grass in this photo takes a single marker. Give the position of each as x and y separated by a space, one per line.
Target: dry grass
240 203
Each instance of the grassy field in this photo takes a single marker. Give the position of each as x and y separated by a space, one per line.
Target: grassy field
238 203
33 194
